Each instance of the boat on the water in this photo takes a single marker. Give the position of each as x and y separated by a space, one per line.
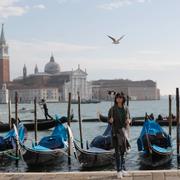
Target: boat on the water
8 142
103 118
154 145
99 154
139 121
49 148
84 101
42 124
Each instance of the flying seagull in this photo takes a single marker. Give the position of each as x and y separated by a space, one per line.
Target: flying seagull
116 41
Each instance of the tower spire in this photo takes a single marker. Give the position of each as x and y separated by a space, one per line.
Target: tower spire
52 58
36 69
2 38
24 72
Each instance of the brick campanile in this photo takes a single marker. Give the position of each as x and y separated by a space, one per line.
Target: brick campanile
4 60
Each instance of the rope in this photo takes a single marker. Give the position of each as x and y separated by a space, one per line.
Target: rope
13 157
7 153
77 140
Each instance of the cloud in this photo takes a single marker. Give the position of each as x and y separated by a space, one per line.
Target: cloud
10 8
39 6
120 3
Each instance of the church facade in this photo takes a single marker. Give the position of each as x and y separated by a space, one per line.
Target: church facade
78 83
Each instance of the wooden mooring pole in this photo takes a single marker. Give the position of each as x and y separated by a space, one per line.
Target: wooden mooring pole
80 121
17 121
69 124
35 121
9 112
16 108
170 114
127 100
177 119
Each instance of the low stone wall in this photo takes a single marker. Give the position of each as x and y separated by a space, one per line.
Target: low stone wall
100 175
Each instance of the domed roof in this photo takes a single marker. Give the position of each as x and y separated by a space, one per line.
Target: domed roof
52 67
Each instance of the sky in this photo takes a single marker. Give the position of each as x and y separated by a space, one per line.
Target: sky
75 31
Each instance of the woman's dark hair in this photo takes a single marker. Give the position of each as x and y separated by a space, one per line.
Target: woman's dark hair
120 95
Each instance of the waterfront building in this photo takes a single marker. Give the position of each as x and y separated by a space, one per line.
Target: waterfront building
136 90
4 95
28 95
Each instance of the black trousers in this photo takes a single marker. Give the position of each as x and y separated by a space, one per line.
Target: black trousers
120 159
47 115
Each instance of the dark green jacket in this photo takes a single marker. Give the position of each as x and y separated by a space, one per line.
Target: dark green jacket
119 117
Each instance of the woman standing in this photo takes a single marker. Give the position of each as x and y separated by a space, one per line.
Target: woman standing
119 118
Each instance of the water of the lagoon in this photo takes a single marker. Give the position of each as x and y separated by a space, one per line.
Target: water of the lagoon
90 130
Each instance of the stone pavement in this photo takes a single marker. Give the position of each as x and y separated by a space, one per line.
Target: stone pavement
96 175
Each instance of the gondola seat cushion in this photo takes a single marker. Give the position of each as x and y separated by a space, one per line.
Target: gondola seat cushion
40 148
103 142
52 142
5 144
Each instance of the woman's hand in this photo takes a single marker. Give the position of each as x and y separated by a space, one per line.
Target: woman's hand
111 120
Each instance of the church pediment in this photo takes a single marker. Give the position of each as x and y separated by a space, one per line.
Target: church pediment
79 72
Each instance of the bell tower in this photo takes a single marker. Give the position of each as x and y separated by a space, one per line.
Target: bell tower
24 72
4 59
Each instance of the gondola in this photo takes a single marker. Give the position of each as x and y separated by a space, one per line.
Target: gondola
49 148
93 101
154 145
99 154
135 120
139 121
103 118
8 142
43 124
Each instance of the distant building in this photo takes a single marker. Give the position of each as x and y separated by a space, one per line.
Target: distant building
136 90
4 60
4 95
28 95
52 78
78 83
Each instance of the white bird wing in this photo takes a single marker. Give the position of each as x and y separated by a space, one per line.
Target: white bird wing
120 38
114 40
